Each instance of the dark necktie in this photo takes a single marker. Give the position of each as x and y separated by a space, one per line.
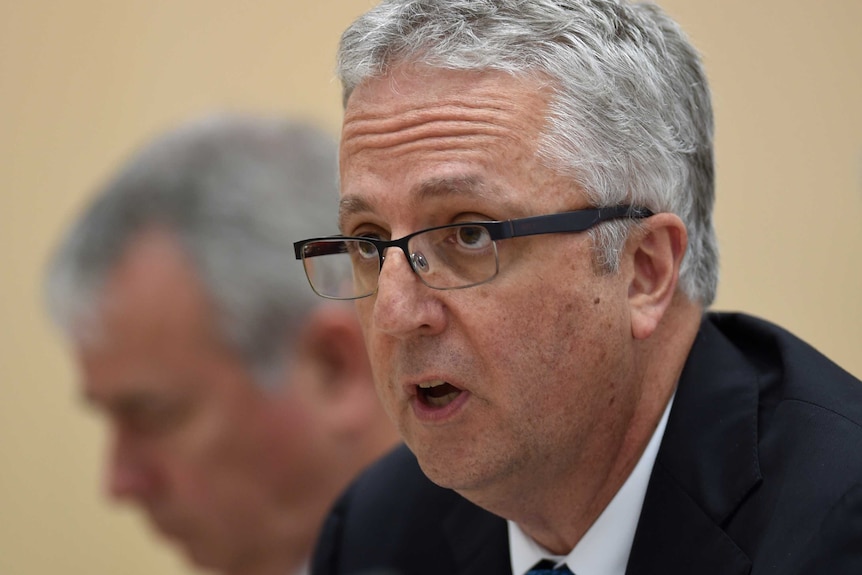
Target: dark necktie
545 567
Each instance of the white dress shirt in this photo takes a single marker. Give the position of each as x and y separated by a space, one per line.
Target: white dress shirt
605 547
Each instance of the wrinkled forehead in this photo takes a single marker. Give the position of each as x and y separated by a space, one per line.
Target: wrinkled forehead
415 102
423 136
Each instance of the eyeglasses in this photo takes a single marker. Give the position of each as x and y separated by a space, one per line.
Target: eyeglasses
447 257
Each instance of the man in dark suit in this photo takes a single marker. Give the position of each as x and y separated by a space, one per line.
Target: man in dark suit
539 178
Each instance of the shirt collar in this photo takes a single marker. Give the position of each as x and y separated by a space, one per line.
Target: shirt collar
605 547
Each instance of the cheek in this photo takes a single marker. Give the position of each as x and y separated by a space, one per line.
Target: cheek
552 334
379 347
364 309
218 441
222 476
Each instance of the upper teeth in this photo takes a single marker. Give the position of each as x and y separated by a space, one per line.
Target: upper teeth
430 384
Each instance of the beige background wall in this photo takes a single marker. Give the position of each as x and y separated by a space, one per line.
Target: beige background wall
82 83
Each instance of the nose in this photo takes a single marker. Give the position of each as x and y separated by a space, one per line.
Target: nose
403 305
129 473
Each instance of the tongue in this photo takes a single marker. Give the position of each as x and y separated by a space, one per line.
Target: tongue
440 395
441 390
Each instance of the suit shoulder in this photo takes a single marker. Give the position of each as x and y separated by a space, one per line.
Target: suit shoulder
391 483
791 370
393 519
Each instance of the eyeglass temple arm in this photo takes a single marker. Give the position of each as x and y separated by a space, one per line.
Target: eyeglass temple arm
566 222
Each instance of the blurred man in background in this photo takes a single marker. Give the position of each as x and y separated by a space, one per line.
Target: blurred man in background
239 404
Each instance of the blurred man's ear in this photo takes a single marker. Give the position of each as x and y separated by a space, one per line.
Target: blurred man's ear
654 251
340 383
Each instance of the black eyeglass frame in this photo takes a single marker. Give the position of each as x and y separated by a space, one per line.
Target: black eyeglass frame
562 222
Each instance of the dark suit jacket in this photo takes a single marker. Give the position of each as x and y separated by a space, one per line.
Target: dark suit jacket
759 471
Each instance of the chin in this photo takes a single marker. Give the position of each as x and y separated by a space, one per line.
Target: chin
452 470
205 556
197 552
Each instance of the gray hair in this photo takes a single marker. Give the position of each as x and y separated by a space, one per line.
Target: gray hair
630 120
236 191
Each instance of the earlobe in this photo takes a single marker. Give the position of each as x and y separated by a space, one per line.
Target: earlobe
656 251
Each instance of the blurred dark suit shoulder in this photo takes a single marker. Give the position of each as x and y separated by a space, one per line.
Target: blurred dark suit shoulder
394 521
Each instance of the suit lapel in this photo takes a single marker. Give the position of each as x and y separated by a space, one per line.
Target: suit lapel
706 465
478 539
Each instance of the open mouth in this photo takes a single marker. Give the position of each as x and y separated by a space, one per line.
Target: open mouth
437 393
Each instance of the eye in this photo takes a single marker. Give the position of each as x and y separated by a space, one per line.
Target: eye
153 418
473 237
365 250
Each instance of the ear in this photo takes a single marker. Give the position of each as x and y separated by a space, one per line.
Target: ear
656 250
337 372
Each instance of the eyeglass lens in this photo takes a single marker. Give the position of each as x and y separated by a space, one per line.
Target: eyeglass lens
445 258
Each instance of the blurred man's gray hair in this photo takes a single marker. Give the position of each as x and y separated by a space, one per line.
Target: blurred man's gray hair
235 191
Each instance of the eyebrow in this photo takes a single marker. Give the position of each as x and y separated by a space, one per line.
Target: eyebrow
128 402
434 188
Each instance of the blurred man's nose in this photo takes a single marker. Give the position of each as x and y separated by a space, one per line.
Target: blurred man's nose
129 472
